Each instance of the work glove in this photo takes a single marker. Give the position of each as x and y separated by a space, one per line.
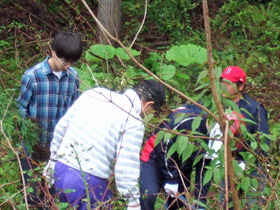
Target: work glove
171 189
214 144
236 124
242 165
49 173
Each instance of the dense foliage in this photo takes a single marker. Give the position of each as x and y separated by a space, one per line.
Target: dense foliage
171 44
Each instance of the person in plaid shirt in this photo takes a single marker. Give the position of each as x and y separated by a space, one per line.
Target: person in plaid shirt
48 90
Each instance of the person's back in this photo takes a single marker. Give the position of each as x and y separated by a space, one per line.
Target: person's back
98 120
161 171
101 136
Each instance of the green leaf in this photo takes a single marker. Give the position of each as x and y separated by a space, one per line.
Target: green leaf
159 136
182 143
179 117
265 147
187 152
208 176
255 183
202 75
197 159
187 54
196 123
120 52
166 72
254 145
103 51
245 184
182 75
217 175
172 149
167 136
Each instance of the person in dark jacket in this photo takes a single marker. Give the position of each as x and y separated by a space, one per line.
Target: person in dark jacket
233 80
158 170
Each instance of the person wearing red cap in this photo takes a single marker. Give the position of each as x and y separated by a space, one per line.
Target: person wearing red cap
233 80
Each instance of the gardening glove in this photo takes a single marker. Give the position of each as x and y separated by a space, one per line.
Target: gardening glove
237 118
242 165
49 173
214 144
171 189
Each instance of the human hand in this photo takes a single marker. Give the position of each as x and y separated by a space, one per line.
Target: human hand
48 173
236 124
171 189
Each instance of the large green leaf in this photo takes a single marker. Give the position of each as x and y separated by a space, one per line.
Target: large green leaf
103 51
120 52
208 176
166 72
187 152
187 54
182 143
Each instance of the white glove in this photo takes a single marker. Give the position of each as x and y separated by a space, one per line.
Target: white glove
171 189
214 144
242 165
49 173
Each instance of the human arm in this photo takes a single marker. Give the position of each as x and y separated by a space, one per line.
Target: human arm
76 92
25 95
127 167
59 133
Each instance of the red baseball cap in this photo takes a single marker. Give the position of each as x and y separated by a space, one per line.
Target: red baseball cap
234 74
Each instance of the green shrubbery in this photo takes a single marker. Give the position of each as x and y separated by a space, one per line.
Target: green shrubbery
244 33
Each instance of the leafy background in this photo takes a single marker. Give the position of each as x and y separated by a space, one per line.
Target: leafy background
244 33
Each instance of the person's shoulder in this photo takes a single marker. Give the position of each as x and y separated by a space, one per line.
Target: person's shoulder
73 71
251 104
250 101
36 69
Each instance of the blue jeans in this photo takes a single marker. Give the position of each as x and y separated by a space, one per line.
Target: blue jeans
70 185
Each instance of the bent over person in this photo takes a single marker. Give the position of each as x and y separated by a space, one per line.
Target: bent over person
158 170
48 90
101 134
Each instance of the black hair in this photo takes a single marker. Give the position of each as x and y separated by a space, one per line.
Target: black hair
143 93
238 83
67 45
151 90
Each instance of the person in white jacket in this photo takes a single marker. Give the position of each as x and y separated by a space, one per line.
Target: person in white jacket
101 136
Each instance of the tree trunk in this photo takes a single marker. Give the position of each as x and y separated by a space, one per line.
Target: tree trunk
109 14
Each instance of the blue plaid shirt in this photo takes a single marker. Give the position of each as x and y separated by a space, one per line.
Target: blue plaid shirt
45 97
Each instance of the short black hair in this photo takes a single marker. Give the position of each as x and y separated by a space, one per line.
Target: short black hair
238 83
67 45
151 90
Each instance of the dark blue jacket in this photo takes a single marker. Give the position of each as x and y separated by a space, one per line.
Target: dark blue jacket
168 167
258 114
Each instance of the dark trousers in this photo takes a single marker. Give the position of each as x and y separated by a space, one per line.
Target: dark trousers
33 177
151 180
253 197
